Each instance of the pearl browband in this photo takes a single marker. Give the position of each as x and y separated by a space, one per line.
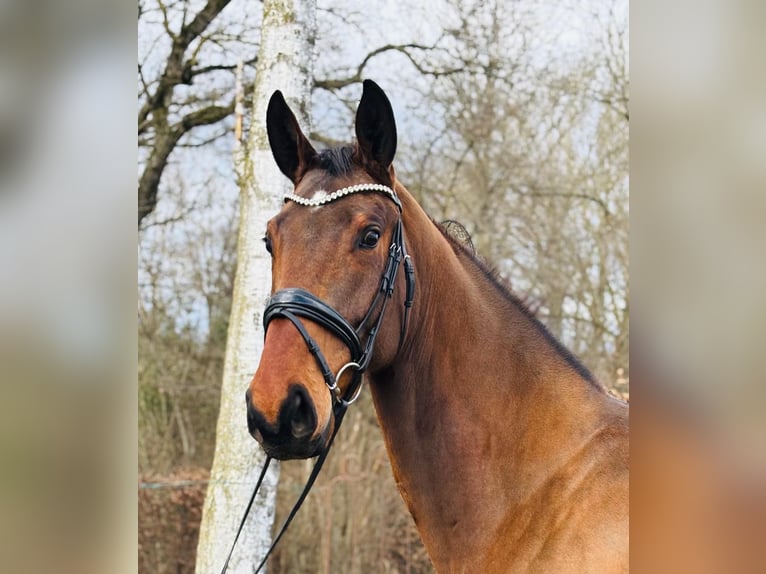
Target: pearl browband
322 197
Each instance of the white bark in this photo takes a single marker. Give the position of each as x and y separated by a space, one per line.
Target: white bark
285 62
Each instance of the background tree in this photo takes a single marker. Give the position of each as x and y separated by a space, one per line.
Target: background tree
186 284
285 63
188 55
531 154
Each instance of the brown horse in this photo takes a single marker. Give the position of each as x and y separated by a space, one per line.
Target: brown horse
510 457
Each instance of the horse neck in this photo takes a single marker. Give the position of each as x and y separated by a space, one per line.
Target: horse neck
480 406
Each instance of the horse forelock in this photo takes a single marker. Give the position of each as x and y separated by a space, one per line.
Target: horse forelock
337 161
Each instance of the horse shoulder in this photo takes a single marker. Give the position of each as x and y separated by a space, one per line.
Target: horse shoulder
577 521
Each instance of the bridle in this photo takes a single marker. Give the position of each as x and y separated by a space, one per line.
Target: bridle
294 303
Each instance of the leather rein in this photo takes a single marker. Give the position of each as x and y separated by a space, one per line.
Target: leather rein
294 303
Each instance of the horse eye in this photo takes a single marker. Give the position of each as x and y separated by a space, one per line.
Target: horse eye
267 242
370 238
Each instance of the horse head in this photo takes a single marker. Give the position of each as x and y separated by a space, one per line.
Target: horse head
336 246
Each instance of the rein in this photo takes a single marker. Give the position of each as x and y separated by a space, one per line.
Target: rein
294 303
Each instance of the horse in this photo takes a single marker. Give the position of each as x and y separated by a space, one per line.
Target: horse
509 455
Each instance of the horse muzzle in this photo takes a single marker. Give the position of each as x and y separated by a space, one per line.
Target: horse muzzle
294 433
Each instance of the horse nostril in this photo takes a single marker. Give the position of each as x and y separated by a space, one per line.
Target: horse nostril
301 412
252 425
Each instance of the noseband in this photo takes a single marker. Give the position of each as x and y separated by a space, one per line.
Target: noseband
293 303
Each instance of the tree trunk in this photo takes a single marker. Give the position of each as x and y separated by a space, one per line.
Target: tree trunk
285 62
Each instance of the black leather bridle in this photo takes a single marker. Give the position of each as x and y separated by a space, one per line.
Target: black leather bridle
294 303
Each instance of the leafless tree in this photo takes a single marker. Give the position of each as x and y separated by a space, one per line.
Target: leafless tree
187 59
530 151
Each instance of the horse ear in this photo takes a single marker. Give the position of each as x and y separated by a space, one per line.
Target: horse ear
292 150
375 126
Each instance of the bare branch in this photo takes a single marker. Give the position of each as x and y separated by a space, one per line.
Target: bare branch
174 67
164 143
338 83
155 110
224 67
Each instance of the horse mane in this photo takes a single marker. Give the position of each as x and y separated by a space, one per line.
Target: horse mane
457 231
460 240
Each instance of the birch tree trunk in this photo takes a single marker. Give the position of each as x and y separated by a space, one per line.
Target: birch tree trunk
285 62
